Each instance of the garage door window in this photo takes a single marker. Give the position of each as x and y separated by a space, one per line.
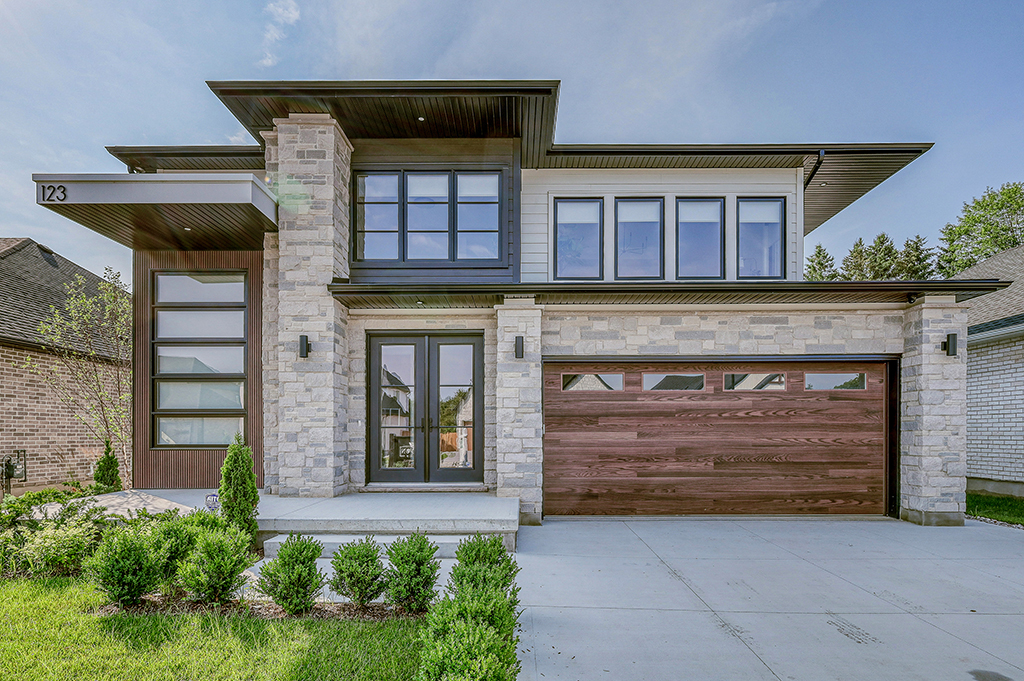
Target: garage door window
592 382
835 382
673 381
755 381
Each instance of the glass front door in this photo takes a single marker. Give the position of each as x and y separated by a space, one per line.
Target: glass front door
426 408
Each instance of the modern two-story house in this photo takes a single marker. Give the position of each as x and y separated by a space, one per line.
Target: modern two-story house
408 285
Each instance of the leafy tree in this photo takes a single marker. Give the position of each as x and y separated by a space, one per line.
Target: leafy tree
91 339
916 260
238 494
855 265
821 266
882 256
986 226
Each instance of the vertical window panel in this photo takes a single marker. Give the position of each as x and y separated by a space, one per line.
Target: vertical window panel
578 238
700 235
377 224
760 238
638 239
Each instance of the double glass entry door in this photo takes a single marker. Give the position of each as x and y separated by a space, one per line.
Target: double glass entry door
426 408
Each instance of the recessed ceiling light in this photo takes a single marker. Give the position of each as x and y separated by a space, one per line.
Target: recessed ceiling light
419 302
823 184
421 118
188 229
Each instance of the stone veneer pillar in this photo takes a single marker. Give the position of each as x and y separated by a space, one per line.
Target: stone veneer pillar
933 415
520 421
305 439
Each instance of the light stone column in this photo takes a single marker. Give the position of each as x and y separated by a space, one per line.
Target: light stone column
308 163
520 421
271 255
933 414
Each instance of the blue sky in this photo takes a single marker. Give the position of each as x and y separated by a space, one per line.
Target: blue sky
76 76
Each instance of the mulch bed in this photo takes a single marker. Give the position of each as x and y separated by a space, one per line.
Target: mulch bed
153 604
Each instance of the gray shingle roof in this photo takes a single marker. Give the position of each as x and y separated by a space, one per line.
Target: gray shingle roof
1008 265
32 279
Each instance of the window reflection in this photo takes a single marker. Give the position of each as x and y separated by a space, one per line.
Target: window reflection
760 237
578 239
638 239
200 287
592 382
699 237
455 408
755 381
835 382
673 381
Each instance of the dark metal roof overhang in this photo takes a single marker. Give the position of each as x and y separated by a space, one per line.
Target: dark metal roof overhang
427 296
197 158
203 211
392 109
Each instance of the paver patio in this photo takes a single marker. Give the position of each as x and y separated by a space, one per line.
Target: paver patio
771 599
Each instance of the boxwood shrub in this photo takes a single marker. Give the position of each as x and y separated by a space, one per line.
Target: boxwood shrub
292 579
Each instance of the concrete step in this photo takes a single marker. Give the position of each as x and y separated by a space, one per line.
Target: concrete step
446 543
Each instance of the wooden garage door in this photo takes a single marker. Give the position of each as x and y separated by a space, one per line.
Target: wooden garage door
661 439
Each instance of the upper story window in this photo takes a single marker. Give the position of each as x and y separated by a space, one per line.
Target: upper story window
639 239
423 216
579 235
700 238
198 375
760 238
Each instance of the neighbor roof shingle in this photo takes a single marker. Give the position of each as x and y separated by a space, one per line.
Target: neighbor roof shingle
1008 265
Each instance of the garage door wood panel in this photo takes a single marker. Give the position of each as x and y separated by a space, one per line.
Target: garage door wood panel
714 451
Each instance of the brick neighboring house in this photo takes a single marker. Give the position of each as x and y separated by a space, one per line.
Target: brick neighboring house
411 286
58 445
995 378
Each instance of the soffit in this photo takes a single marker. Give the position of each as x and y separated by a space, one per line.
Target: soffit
190 158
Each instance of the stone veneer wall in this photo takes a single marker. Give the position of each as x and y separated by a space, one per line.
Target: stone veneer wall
995 410
933 415
442 320
308 162
271 254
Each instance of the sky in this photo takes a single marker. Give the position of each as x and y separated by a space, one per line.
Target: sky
77 76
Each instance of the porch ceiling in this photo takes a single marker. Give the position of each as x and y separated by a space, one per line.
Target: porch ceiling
203 211
375 296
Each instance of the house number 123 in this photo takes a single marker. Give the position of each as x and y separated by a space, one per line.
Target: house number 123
54 192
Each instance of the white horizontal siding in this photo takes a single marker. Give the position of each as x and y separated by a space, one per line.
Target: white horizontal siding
541 187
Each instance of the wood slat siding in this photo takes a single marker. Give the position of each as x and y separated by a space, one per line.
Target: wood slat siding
635 452
192 468
541 187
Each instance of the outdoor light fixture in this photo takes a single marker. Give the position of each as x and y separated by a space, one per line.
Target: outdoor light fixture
519 347
949 345
303 346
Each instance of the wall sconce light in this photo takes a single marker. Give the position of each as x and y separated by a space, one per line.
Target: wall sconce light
303 346
949 345
519 347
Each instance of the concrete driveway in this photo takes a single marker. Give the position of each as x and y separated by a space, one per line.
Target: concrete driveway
771 599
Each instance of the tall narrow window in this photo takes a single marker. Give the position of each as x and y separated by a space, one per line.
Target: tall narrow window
578 238
477 216
377 217
638 239
199 381
760 239
427 216
700 238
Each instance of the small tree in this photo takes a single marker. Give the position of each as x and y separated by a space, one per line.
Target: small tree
238 494
821 266
855 264
986 226
91 339
106 469
882 257
916 261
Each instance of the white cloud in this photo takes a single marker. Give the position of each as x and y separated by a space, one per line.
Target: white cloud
240 137
282 13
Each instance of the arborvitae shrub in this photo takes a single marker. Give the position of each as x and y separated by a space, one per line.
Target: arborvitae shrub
413 573
127 565
107 474
238 494
358 571
292 579
212 573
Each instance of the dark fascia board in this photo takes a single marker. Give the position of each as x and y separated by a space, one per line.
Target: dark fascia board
149 159
735 149
382 88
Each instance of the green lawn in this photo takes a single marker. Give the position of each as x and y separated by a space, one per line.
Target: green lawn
49 630
1007 509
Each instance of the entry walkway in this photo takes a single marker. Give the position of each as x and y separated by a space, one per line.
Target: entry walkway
794 600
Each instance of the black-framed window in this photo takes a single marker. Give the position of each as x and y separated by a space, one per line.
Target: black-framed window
700 238
428 216
198 378
760 238
639 238
579 239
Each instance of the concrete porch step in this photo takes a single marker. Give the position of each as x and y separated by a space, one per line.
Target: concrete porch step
446 543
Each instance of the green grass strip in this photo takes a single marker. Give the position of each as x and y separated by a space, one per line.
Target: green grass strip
50 632
1006 509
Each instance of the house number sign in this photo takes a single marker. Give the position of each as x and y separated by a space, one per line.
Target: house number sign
54 192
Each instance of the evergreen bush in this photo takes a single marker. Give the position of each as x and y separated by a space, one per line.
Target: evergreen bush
107 475
238 494
292 579
175 538
212 573
358 571
127 565
58 549
466 649
413 573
